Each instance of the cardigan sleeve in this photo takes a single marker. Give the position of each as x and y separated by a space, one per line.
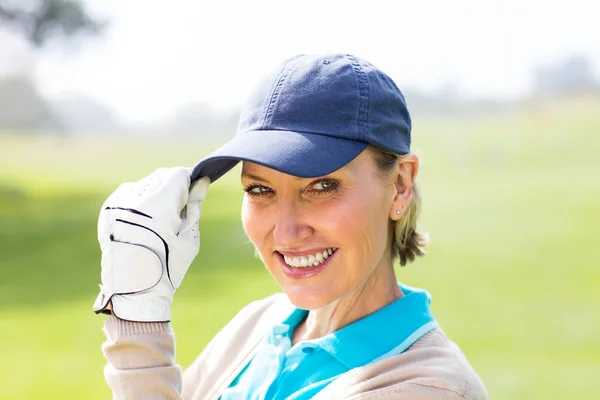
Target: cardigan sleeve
141 360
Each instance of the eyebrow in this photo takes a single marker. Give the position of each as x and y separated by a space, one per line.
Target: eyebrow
258 178
254 177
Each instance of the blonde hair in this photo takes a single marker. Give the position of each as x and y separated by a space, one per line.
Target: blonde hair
407 243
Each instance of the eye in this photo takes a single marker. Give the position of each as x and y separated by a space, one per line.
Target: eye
257 190
324 185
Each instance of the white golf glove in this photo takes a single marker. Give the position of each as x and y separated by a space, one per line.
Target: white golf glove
148 233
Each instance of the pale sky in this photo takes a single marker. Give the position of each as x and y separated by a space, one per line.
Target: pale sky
160 55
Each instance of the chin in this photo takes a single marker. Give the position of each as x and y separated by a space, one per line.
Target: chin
309 297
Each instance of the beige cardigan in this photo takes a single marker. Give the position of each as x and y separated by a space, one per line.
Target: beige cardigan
141 363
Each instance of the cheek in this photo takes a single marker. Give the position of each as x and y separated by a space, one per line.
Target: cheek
362 226
255 222
249 220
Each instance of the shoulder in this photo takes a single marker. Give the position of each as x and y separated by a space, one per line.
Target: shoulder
434 367
441 365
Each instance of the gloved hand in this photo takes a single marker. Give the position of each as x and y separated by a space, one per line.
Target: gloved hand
148 233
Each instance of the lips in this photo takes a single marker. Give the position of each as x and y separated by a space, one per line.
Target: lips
303 272
311 260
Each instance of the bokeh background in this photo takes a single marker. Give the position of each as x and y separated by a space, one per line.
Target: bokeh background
505 97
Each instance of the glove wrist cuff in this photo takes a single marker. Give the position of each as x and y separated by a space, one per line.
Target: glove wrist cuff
139 308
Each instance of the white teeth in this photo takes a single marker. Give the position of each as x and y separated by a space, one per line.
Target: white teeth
309 261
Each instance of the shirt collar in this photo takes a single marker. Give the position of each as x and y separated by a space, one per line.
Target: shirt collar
388 331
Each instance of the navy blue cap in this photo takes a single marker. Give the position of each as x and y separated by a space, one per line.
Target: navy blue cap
312 116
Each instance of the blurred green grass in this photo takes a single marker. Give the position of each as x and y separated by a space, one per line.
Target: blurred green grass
512 203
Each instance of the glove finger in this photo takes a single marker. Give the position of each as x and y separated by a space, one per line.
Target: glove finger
192 209
199 189
151 183
173 187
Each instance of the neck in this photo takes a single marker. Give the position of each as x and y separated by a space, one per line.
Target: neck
379 290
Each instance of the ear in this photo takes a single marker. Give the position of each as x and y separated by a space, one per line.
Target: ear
404 178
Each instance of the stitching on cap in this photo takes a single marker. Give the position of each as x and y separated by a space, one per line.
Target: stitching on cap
274 97
364 96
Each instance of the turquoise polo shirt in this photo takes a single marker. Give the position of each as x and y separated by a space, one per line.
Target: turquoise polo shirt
282 371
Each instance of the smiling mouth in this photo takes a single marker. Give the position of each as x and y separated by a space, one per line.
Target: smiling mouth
311 260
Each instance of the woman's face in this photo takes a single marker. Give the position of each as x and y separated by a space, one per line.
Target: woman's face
320 238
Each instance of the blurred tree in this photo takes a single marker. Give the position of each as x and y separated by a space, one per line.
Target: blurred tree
23 109
573 75
83 115
41 20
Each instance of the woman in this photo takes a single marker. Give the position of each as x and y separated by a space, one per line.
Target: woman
330 203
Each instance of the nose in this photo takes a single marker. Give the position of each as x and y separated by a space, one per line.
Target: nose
290 229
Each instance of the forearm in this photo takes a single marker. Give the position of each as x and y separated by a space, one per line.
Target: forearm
148 234
141 360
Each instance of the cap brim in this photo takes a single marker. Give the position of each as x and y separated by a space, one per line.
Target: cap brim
305 155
